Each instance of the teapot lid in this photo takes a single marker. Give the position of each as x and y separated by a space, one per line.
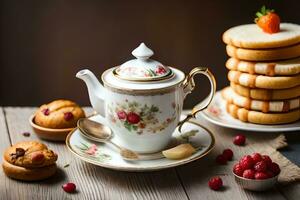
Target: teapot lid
143 69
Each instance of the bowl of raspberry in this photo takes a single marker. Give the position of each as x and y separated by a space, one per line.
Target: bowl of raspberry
256 172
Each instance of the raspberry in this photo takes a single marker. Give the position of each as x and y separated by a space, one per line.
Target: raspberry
239 140
37 157
270 174
274 168
260 166
68 116
246 162
228 153
238 170
221 159
256 157
261 175
249 173
69 187
215 183
46 111
267 159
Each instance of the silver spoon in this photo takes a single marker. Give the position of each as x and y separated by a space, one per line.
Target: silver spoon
101 133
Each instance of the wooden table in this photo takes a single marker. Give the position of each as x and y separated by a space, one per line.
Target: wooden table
184 182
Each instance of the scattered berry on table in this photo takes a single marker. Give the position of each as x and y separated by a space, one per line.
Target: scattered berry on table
221 159
215 183
239 140
69 187
228 153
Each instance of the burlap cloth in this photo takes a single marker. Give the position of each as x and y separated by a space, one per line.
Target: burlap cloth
265 143
289 171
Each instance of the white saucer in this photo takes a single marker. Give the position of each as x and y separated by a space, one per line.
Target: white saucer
107 156
216 114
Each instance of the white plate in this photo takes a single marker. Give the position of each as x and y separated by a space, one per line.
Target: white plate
108 156
216 114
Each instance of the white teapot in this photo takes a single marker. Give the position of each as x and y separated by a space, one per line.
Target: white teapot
142 99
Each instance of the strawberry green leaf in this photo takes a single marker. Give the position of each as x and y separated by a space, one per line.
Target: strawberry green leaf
263 9
258 14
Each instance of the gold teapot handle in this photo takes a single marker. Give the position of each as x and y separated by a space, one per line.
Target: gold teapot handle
188 87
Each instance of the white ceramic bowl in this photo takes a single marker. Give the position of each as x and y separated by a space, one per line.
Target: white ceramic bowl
256 185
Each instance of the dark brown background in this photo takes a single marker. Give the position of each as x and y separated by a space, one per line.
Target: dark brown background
45 42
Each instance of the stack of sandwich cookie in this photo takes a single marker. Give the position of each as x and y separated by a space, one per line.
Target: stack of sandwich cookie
264 70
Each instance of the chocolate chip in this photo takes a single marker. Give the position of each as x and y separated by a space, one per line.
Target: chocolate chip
20 152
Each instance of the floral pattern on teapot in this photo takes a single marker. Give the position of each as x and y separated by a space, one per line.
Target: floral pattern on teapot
142 72
138 117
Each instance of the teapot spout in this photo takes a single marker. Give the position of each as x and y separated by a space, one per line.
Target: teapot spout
95 89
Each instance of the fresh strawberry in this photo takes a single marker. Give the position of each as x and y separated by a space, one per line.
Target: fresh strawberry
268 20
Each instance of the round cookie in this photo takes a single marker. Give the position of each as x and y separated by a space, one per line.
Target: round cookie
253 37
263 106
265 94
281 68
28 174
260 117
264 54
59 114
29 161
265 82
30 154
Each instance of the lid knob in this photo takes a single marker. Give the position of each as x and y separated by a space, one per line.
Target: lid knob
142 68
142 52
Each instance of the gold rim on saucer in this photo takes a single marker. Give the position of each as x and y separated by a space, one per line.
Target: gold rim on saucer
143 169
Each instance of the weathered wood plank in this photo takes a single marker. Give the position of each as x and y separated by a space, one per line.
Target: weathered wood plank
93 182
291 191
196 175
5 142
